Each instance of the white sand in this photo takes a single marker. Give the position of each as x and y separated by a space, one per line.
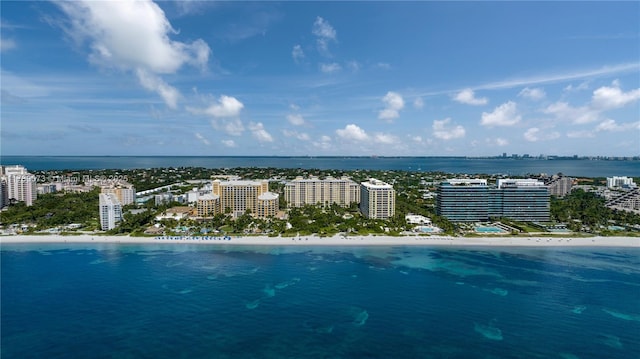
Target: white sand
340 240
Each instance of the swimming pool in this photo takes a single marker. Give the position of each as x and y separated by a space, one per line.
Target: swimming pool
489 229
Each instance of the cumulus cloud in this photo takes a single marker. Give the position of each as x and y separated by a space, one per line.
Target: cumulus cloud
323 143
226 106
233 127
443 131
202 139
151 82
330 68
352 132
532 93
133 36
296 119
612 126
604 98
299 135
259 133
580 134
393 104
229 143
297 53
467 96
503 115
535 134
610 97
324 33
385 139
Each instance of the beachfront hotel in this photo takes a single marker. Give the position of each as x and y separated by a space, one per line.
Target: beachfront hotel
208 205
239 196
315 191
377 199
17 185
110 211
472 200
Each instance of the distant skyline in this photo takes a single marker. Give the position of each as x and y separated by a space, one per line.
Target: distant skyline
209 78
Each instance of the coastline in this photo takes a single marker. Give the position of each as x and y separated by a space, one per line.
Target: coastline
338 240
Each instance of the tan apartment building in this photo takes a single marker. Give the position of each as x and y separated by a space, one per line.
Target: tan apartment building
377 199
317 191
240 196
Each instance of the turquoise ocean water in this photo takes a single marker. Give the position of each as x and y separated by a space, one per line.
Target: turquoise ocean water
189 301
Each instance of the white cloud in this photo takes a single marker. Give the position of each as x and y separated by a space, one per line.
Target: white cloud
229 143
202 139
442 131
535 134
532 93
612 97
297 53
498 141
324 33
416 138
133 36
582 86
385 139
467 96
612 126
503 115
324 143
151 82
576 115
296 119
6 44
418 103
393 104
299 135
330 68
259 133
352 132
226 106
580 134
232 127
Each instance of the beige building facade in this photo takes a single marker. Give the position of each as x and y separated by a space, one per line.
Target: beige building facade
315 191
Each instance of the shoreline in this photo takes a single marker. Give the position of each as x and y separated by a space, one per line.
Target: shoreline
338 240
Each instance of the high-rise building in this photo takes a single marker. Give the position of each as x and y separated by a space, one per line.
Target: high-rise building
208 205
20 184
464 200
125 192
559 185
110 211
377 199
240 196
327 191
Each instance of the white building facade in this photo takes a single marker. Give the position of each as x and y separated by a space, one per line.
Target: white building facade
20 185
110 211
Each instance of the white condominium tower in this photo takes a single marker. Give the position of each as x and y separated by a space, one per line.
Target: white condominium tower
315 191
20 184
110 211
377 199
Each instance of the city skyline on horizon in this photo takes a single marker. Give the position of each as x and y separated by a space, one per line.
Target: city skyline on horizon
202 78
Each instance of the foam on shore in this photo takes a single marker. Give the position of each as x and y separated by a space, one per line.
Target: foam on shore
337 240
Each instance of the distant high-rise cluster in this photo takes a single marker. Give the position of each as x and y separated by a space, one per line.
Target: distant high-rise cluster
16 184
472 200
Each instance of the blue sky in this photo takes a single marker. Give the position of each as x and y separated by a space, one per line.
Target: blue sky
320 78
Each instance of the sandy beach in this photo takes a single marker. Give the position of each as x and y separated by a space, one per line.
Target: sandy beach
338 240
